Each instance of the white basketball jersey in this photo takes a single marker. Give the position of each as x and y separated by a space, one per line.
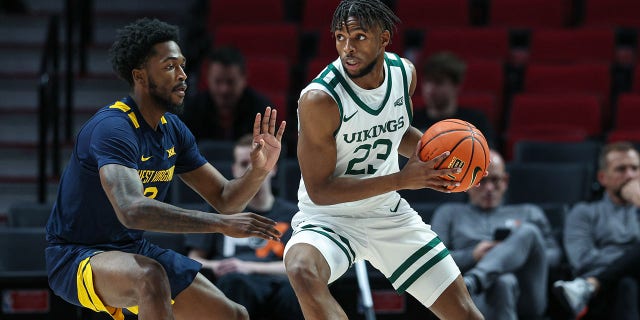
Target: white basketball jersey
372 125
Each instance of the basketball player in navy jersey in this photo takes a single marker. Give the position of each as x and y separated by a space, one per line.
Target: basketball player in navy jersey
123 163
354 120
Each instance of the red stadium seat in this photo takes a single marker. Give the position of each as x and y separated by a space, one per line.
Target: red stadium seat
422 14
278 40
570 46
628 112
572 111
245 12
625 135
486 77
317 15
636 80
468 43
553 117
268 75
587 78
271 77
575 78
529 13
612 13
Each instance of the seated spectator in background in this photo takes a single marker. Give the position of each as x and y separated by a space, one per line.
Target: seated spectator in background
442 77
250 271
601 240
503 251
225 110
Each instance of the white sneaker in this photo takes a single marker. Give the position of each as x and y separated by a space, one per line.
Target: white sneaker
574 294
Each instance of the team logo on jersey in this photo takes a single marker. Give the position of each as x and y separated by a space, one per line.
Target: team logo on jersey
171 152
345 118
399 102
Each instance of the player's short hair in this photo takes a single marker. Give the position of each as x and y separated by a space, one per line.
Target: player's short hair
621 146
444 66
228 56
134 44
370 13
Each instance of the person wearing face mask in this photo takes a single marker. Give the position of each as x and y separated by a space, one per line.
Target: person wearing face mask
504 251
601 240
223 111
443 74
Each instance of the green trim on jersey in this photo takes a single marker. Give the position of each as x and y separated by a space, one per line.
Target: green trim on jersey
407 97
339 79
353 95
331 87
325 232
421 270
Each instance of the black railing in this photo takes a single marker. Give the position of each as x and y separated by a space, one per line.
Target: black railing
49 109
78 16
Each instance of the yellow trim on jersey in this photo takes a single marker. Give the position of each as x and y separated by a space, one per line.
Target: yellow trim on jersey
133 118
121 106
88 296
125 108
163 120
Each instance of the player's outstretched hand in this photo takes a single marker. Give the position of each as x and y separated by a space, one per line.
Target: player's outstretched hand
247 224
418 174
267 141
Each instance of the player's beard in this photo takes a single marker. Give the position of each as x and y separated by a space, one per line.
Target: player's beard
164 99
365 71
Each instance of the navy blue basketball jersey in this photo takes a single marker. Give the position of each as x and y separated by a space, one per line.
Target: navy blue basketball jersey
117 134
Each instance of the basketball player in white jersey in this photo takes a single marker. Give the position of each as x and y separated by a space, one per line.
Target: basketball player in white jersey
355 118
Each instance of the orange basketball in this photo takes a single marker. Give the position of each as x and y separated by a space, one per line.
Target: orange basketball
468 147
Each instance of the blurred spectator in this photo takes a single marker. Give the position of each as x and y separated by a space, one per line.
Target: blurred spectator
250 271
442 77
601 240
503 251
225 111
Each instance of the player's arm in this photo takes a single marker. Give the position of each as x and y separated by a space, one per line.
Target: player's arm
232 196
319 118
125 192
226 196
412 136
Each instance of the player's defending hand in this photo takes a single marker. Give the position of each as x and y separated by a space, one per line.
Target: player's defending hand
418 174
266 141
247 224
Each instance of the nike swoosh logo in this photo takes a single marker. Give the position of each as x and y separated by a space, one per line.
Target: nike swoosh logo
396 208
345 119
474 175
143 158
399 102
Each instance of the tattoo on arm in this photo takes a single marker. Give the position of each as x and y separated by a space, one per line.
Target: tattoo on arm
125 192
